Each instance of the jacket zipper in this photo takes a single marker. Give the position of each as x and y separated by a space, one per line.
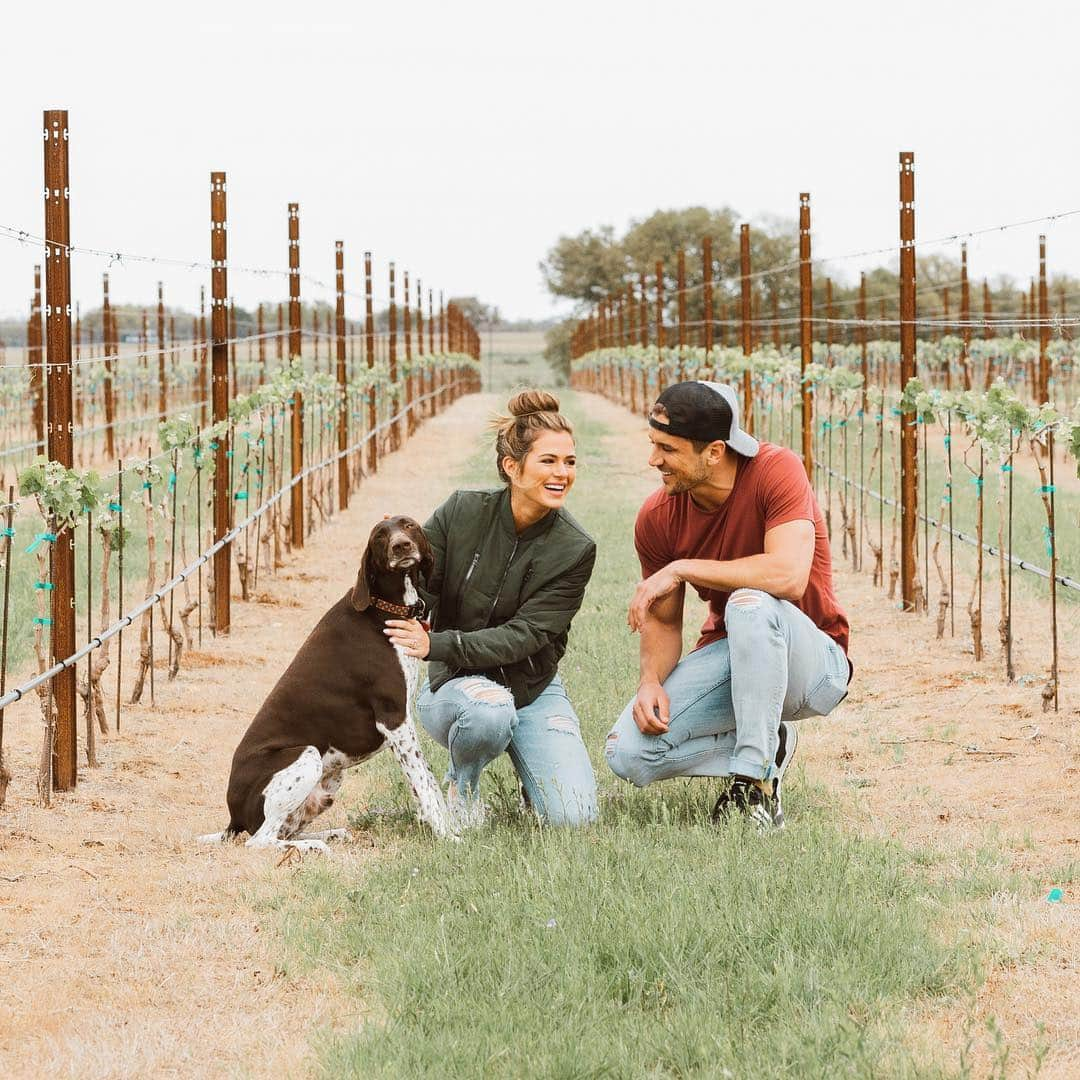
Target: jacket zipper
502 581
472 567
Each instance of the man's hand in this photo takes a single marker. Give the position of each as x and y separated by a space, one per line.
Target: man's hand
664 581
652 709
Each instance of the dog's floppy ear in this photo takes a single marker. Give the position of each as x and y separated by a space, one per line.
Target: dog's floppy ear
361 594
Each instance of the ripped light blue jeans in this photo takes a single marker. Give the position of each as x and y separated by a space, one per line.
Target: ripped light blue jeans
475 719
728 698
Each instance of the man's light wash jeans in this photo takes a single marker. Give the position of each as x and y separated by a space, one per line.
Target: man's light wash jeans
475 719
728 698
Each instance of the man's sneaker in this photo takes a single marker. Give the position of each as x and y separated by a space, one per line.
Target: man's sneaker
746 797
789 741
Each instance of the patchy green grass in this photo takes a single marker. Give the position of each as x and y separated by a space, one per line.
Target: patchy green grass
652 945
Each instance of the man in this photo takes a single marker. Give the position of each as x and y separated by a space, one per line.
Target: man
738 521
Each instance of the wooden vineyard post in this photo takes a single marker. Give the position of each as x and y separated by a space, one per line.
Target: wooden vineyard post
395 397
204 411
219 394
108 343
1043 395
162 400
707 297
369 347
747 411
296 514
33 357
60 434
343 404
680 278
660 380
909 476
965 320
806 339
410 394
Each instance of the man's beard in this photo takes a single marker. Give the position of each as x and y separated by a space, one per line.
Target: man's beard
683 482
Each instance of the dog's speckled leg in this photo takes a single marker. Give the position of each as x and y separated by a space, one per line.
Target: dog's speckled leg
429 797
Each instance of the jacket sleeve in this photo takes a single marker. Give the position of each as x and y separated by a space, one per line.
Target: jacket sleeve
436 529
544 616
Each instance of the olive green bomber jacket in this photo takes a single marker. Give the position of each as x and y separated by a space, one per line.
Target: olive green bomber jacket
501 602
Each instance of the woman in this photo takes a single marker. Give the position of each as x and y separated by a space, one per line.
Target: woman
511 566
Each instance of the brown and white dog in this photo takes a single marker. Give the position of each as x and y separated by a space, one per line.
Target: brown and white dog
342 699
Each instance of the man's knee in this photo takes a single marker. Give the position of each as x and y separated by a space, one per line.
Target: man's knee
626 760
750 611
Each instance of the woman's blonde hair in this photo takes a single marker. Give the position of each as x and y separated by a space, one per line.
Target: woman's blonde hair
531 411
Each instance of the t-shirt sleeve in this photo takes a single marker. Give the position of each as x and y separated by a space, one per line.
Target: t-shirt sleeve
653 546
786 494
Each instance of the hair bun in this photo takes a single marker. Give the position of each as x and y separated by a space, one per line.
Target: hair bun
532 401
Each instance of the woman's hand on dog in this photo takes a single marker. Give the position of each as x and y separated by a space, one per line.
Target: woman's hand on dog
409 635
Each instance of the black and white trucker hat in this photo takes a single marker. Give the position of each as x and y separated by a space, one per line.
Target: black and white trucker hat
704 412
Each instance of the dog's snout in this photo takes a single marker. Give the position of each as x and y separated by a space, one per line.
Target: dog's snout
401 545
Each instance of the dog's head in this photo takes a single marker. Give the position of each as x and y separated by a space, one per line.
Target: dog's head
396 547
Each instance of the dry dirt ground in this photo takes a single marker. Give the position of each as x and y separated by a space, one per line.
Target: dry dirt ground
127 951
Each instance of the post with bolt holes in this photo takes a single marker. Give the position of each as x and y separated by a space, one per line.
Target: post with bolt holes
296 513
369 345
219 393
747 411
909 475
706 296
162 400
806 333
58 340
1044 328
33 357
343 405
395 398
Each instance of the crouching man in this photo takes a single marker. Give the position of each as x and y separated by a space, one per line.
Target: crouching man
738 521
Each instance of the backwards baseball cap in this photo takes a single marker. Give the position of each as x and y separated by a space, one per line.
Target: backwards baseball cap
704 412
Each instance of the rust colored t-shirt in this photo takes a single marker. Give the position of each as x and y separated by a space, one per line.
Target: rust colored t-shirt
770 489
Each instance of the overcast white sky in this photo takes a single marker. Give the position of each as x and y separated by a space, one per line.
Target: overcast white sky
461 139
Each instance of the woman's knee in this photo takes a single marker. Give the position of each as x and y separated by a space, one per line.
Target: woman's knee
486 717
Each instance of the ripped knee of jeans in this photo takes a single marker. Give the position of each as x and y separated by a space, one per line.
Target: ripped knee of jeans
746 598
488 692
566 724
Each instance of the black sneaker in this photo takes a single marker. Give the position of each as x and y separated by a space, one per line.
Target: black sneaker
789 741
746 797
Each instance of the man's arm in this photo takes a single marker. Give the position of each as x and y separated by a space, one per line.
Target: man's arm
782 570
661 647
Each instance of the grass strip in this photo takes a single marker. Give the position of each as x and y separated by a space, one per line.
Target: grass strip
651 945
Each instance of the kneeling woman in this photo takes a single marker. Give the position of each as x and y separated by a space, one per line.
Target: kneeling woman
511 566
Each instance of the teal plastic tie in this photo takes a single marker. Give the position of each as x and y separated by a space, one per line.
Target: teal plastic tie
147 484
978 482
1055 896
241 496
42 620
1006 467
1048 538
1047 489
7 532
172 481
116 508
948 441
47 585
229 453
214 445
38 539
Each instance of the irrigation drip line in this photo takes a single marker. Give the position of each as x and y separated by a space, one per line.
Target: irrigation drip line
125 621
84 433
1021 564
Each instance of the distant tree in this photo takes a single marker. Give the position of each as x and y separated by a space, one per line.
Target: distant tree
479 314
